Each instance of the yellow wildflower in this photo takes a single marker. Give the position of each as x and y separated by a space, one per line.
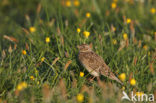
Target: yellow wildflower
122 77
21 86
123 88
125 36
88 15
32 29
36 71
113 5
145 47
86 34
32 78
114 29
38 82
24 52
153 10
47 39
133 82
80 97
76 2
139 94
128 20
24 84
81 74
114 41
42 59
149 53
68 3
78 30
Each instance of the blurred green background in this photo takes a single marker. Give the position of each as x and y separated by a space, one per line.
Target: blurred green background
59 20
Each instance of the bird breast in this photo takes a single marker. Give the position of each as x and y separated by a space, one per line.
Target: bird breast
90 61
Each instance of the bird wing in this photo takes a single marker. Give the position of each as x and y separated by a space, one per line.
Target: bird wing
91 61
106 71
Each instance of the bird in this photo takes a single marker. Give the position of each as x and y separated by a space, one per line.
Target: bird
94 63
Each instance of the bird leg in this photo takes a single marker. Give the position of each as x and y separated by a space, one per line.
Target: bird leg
91 79
98 78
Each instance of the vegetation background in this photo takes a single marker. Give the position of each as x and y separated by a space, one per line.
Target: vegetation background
38 47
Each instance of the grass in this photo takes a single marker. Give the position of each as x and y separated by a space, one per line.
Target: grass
50 71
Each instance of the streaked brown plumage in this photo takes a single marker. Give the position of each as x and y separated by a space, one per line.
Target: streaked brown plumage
94 63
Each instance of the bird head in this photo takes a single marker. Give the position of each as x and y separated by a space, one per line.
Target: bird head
84 48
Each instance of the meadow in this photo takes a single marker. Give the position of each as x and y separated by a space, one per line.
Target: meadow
39 54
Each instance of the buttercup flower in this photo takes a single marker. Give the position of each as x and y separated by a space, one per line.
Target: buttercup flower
125 36
133 82
32 78
81 74
122 77
68 3
128 20
42 59
32 29
47 39
24 52
76 2
36 71
38 82
88 15
123 88
145 47
86 34
21 86
78 30
114 29
153 10
113 5
149 53
139 94
80 97
114 41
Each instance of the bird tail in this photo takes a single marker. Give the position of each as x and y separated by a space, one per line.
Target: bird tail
118 80
113 77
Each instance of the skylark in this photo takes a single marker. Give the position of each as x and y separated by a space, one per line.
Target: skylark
94 63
